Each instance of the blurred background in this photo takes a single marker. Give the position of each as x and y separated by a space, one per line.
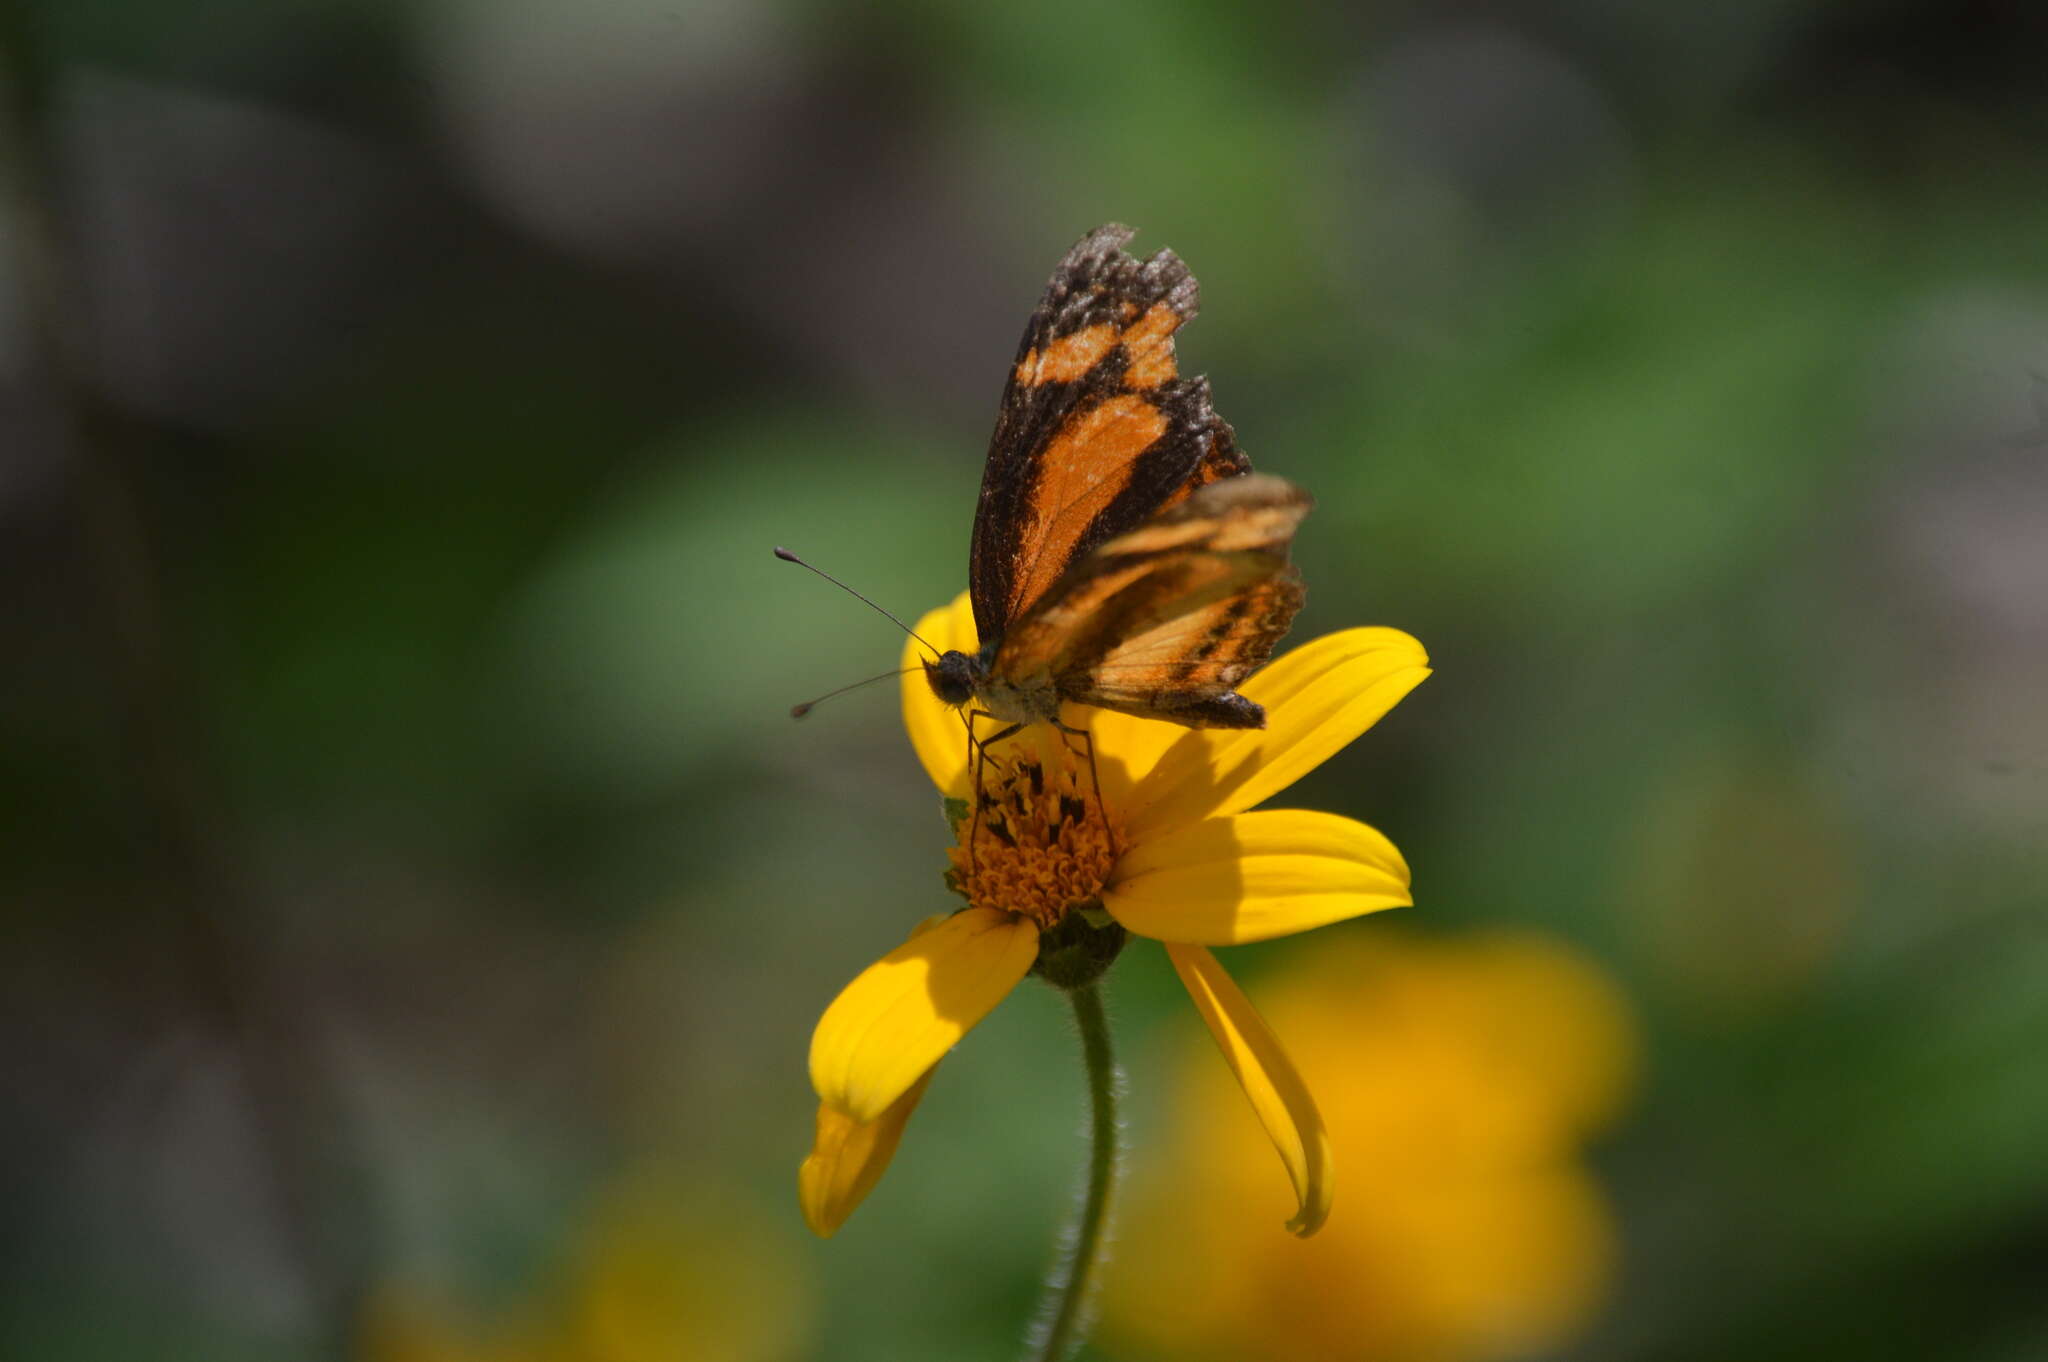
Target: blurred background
418 900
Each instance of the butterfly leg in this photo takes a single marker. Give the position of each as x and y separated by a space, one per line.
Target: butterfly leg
975 746
1094 777
979 746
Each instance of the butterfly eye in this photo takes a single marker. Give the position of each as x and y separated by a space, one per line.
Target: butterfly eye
951 677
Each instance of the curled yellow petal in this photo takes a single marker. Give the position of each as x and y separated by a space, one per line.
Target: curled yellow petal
1317 698
893 1022
1269 1079
848 1158
1252 876
936 731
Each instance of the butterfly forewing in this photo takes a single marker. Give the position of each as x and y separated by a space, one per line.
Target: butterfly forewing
1096 431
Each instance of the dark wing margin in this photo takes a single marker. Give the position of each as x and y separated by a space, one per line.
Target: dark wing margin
1096 430
1164 621
1223 459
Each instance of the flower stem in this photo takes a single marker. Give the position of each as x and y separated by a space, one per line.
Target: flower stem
1063 1313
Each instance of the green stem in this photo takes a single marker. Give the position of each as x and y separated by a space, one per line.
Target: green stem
1064 1310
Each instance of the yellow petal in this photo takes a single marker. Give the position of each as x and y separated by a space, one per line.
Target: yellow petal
1126 749
895 1021
1317 698
1268 1078
1251 876
935 727
849 1157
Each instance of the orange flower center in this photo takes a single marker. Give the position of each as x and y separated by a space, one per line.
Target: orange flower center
1040 845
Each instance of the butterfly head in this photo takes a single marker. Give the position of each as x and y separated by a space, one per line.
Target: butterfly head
952 677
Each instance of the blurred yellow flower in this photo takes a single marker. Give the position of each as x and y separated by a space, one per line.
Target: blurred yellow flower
1167 851
660 1270
1460 1079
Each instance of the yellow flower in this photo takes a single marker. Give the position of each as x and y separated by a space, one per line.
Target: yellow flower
1167 848
1461 1080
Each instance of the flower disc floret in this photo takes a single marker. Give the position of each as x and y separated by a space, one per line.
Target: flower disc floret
1040 844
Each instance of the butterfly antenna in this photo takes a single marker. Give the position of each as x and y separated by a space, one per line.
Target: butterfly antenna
786 556
798 711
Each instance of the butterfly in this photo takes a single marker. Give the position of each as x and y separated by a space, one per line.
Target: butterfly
1124 556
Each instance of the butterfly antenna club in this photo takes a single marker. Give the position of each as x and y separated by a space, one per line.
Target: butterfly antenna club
786 556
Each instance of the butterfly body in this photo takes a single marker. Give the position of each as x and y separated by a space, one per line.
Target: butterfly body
959 678
1125 556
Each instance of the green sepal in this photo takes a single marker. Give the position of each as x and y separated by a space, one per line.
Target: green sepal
1075 951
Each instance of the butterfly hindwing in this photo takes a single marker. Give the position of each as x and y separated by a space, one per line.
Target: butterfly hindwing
1097 430
1163 621
1185 669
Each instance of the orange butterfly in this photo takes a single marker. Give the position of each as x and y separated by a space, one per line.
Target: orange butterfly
1125 555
